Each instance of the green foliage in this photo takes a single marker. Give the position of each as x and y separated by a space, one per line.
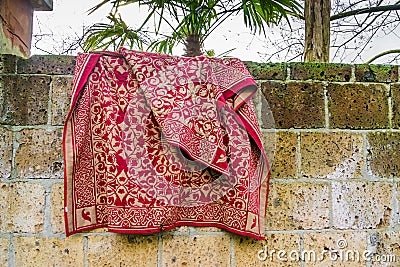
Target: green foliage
185 18
115 34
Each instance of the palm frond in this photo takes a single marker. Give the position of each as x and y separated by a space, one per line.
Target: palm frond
113 35
185 18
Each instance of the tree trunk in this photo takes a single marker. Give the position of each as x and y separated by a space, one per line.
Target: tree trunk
192 46
317 37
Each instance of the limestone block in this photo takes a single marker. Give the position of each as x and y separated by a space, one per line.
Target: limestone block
334 249
39 154
24 99
57 208
4 248
377 73
332 156
298 206
395 90
8 63
60 99
281 151
46 64
37 251
320 71
295 104
22 206
362 205
358 106
384 154
6 145
267 71
385 247
201 250
122 250
250 252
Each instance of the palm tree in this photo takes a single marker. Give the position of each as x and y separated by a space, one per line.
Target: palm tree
191 22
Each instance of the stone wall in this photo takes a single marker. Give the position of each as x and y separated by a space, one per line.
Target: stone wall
334 182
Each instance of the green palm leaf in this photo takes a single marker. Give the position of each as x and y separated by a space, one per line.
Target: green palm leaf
185 18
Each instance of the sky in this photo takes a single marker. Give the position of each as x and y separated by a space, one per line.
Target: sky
68 18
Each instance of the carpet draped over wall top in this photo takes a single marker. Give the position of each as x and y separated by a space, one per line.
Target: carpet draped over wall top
155 141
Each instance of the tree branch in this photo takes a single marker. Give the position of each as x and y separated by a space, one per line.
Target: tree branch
364 11
394 51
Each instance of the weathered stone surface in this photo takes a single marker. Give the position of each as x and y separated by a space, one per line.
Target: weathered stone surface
386 248
4 248
331 155
7 63
250 252
60 99
200 229
395 90
295 104
122 250
5 216
6 146
97 230
298 206
320 71
40 64
334 249
384 154
22 206
362 205
281 153
24 99
36 251
358 106
397 214
266 118
201 250
256 97
377 73
57 208
39 154
267 71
